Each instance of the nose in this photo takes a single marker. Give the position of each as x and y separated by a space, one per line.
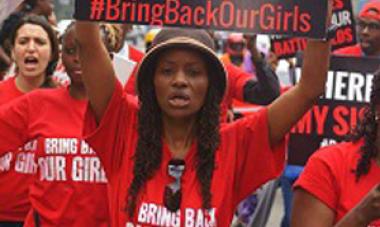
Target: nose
364 30
180 80
76 57
31 46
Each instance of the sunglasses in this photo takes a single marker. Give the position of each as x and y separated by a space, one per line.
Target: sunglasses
173 192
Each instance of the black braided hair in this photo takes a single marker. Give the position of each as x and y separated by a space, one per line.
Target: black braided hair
148 155
367 129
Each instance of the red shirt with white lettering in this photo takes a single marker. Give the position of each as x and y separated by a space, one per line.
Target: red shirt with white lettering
237 79
329 176
243 162
70 187
14 202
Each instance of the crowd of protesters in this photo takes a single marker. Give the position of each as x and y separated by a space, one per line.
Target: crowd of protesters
150 137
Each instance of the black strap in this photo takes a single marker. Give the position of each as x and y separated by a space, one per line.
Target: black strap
36 217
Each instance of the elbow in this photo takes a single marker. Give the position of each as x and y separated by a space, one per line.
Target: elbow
260 95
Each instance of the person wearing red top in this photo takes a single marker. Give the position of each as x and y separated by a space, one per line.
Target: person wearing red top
368 25
35 52
167 159
340 184
70 187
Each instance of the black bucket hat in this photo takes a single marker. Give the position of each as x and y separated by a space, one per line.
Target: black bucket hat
194 39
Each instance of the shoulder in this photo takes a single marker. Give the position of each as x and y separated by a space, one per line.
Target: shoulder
342 154
7 83
47 92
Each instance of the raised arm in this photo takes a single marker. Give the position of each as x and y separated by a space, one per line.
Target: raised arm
97 70
284 112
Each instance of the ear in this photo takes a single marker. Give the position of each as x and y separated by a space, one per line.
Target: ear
13 55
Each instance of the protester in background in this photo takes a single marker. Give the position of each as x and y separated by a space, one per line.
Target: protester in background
39 7
70 187
149 36
340 183
174 132
28 7
368 28
34 49
235 50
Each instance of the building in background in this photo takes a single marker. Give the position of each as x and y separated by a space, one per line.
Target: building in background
64 9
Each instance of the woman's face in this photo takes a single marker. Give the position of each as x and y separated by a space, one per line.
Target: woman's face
70 57
181 83
32 50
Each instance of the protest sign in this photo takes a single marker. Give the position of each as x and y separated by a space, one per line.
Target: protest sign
287 17
343 17
347 91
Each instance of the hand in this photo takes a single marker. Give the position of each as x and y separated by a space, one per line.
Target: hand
368 209
273 60
251 46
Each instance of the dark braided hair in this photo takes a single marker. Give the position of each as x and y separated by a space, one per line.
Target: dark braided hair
148 155
367 129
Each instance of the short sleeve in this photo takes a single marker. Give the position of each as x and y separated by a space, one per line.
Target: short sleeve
116 129
256 161
319 177
14 118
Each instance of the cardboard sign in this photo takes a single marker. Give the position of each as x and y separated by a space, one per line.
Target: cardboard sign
7 7
348 89
287 17
343 17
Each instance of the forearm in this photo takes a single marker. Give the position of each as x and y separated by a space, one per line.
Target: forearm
97 70
353 219
314 69
266 88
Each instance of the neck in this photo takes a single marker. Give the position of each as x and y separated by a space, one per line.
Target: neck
77 91
179 135
27 84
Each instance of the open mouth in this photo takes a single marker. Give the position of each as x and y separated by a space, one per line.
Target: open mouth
179 100
31 61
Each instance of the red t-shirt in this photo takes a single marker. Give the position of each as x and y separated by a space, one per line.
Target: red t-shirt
134 54
328 176
244 161
355 51
14 197
237 79
70 187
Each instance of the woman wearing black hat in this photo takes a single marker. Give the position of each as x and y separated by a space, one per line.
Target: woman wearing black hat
168 161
